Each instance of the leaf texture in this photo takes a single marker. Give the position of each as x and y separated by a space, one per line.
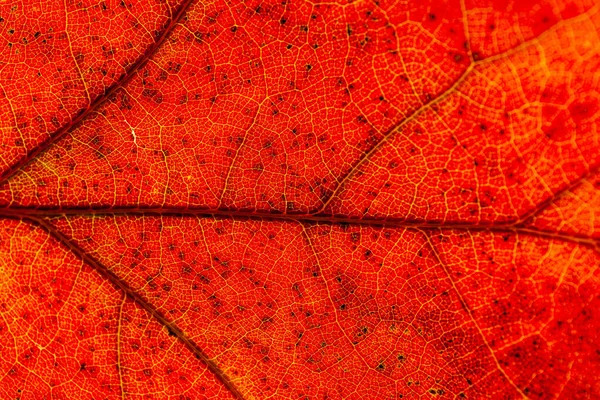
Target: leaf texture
290 199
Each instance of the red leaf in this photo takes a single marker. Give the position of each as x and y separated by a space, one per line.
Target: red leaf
288 199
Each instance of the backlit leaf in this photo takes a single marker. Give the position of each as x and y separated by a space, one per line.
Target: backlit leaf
357 199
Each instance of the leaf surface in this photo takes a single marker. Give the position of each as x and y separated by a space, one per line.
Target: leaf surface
298 200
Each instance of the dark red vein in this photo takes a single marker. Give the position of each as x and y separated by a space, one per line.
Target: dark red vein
100 100
469 312
508 227
389 133
529 216
125 288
